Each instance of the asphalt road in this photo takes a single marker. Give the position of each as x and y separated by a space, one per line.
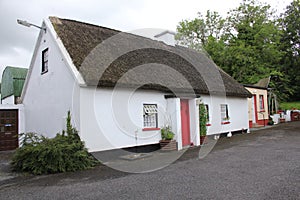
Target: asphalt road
262 165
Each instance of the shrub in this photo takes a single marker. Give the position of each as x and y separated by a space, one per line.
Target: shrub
166 133
63 153
202 119
270 122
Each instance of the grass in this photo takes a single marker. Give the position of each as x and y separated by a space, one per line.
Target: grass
290 105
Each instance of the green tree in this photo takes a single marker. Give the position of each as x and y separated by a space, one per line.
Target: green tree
290 45
254 39
197 33
246 44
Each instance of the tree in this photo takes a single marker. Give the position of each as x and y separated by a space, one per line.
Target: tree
245 44
253 42
290 45
205 34
196 33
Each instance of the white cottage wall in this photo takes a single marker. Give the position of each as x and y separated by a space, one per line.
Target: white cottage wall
173 109
49 96
237 109
113 119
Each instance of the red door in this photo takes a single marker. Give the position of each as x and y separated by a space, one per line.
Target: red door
185 122
255 109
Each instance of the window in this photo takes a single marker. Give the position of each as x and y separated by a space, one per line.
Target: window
261 103
224 114
45 61
150 116
207 115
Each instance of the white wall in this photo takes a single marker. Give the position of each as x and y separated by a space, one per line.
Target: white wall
48 97
173 108
114 119
9 100
237 109
194 122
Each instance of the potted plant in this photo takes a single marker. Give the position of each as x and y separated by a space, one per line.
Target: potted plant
202 122
270 122
167 142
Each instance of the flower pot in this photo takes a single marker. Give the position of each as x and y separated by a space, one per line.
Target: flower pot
168 145
202 138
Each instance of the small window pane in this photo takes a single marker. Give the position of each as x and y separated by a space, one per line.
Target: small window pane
45 61
261 102
150 115
224 112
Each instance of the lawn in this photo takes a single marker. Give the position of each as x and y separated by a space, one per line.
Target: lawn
290 105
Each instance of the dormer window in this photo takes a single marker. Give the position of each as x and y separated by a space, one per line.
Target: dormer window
45 61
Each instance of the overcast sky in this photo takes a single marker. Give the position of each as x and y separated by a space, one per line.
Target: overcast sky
17 42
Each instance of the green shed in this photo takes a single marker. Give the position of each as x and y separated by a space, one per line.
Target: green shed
13 79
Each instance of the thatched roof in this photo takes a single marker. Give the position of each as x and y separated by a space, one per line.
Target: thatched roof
110 58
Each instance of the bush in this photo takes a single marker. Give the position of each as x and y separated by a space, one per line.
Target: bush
270 122
202 119
63 153
166 133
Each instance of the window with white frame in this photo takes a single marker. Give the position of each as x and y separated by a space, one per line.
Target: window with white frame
45 61
224 113
150 115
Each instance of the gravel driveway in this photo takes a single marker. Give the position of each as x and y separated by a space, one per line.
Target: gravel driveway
262 165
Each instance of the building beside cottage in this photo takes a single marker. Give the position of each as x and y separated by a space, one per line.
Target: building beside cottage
13 79
258 105
11 111
122 88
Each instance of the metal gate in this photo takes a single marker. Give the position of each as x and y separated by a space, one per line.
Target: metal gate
8 130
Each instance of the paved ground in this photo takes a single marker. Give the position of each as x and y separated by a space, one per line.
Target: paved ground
262 165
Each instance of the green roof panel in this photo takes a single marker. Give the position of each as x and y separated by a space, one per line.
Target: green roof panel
13 79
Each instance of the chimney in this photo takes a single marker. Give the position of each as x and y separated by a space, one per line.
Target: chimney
167 37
